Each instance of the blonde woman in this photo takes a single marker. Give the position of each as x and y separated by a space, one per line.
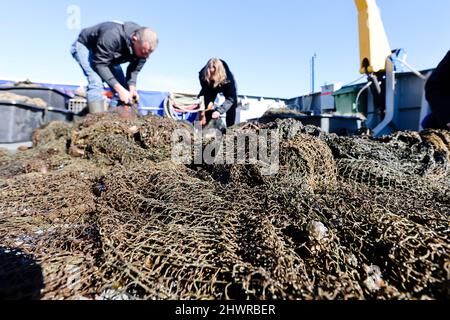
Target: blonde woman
216 78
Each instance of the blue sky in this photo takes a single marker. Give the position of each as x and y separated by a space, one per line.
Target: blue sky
268 44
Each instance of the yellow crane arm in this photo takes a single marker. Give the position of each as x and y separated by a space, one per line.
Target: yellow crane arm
373 42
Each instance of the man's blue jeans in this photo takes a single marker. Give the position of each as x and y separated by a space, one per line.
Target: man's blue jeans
95 88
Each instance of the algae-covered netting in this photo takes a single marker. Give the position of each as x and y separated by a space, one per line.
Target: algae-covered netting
98 210
15 98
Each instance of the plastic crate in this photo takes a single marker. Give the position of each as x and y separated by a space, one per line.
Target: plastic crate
52 97
54 114
77 105
19 121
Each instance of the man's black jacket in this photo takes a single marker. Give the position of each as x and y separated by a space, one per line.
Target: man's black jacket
438 85
111 44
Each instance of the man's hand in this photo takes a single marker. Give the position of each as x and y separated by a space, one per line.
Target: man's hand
134 94
124 94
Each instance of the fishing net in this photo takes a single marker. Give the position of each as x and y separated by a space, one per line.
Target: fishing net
98 210
12 97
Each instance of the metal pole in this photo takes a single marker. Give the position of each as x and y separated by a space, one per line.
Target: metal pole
313 71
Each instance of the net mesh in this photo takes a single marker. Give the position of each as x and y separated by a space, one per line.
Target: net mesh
101 212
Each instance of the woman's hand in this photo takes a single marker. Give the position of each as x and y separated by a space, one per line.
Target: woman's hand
216 115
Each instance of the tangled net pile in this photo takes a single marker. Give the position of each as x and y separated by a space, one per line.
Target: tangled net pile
106 214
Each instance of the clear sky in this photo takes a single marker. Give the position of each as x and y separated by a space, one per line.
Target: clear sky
268 44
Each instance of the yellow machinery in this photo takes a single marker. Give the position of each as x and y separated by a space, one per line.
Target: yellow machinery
374 44
380 64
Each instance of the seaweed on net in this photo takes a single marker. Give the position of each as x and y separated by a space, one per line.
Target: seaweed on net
50 217
48 152
112 217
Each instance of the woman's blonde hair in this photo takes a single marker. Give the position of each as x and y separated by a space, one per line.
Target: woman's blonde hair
219 77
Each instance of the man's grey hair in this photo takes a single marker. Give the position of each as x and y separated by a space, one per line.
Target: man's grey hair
148 35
